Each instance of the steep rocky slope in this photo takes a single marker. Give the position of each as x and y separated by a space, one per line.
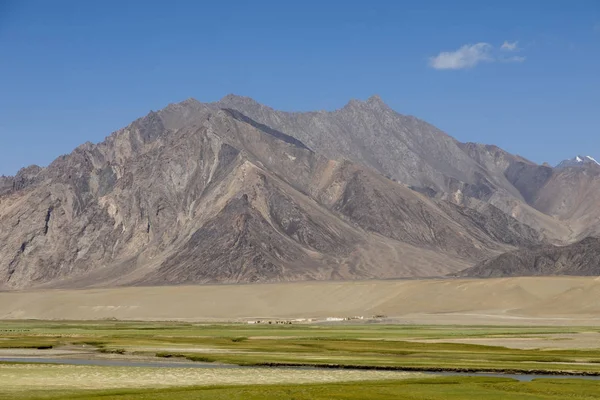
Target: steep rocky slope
426 159
204 193
515 182
567 193
581 258
571 193
405 149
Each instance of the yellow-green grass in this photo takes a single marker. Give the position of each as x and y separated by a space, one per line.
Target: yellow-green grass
397 354
366 345
450 388
29 378
341 331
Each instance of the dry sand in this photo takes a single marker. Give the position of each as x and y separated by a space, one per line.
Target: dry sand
511 301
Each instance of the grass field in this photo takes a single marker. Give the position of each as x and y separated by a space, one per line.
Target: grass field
368 346
365 345
17 378
451 388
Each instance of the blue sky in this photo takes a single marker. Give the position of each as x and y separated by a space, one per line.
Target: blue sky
520 74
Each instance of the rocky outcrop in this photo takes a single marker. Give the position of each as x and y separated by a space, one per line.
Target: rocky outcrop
581 258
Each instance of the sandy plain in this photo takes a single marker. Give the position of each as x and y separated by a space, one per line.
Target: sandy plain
504 301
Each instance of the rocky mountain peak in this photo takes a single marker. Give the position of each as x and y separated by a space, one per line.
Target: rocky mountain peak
374 99
25 177
232 98
353 103
190 102
374 102
236 191
578 161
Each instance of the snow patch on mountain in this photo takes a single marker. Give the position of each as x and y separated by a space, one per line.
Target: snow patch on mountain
592 159
578 161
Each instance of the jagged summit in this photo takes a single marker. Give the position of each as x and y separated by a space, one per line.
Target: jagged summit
375 101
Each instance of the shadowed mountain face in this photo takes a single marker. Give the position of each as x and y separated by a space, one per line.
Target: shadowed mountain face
581 258
235 191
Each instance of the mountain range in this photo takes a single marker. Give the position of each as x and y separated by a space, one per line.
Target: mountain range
235 191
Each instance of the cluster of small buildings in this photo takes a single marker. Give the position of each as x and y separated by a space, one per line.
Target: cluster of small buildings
280 322
304 320
333 319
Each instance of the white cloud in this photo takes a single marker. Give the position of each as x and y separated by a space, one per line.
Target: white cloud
467 56
507 46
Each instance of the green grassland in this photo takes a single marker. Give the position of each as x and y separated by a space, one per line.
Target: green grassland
451 388
368 346
35 328
364 346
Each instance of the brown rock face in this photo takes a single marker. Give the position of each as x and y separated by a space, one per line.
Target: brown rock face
370 133
235 191
416 154
199 193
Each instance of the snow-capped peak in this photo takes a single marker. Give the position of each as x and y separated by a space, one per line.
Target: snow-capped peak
578 161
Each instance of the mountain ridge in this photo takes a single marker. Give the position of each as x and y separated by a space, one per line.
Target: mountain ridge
234 191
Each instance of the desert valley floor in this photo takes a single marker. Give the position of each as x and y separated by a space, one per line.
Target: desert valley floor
518 338
509 301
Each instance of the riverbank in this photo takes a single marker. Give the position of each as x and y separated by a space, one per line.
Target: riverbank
559 350
176 360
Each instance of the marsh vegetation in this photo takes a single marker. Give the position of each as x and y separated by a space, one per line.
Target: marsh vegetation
386 359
